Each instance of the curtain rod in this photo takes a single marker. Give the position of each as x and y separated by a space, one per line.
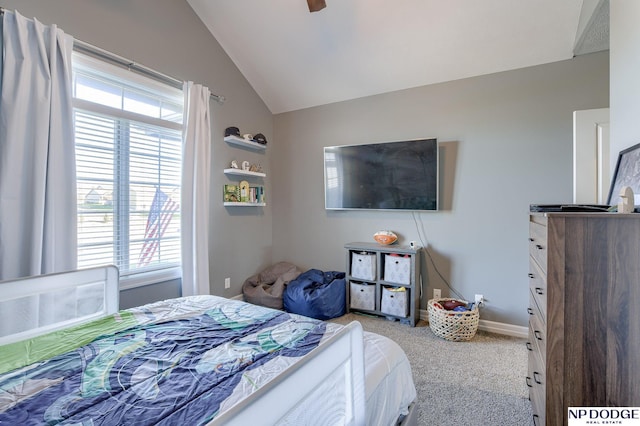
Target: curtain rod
83 47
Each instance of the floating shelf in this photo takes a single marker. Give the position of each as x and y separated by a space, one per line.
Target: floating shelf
243 142
241 172
236 204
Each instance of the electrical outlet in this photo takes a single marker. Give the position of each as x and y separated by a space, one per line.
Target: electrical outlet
479 299
227 283
436 293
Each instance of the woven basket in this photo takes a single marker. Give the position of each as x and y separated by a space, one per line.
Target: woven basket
452 325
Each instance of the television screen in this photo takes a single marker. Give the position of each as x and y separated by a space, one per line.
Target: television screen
382 176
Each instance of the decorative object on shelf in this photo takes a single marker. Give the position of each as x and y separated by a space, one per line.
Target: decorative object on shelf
248 137
244 191
385 237
625 174
256 194
246 143
260 139
245 166
232 131
231 194
626 204
255 168
456 326
234 164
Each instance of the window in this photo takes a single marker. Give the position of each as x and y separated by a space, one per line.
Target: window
128 138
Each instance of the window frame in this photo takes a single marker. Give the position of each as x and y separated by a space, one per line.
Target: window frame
102 68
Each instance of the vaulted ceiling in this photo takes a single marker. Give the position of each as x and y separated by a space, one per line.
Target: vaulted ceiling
295 59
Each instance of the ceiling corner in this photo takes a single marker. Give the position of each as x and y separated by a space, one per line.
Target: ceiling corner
593 29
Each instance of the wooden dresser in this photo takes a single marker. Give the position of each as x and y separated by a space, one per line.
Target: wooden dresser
584 323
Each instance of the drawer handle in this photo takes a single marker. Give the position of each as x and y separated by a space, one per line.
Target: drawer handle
530 311
529 346
535 377
528 380
539 247
538 335
531 275
539 291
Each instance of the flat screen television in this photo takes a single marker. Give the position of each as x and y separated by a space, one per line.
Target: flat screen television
400 175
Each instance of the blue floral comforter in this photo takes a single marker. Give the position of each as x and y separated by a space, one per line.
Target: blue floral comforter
177 362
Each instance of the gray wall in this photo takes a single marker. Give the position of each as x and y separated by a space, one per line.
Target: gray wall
166 35
506 142
149 293
625 69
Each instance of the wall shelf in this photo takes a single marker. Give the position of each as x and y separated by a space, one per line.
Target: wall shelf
243 194
240 172
244 143
236 204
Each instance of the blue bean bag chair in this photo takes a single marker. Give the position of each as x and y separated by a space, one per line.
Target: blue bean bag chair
316 294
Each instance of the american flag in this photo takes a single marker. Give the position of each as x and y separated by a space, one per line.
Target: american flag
160 215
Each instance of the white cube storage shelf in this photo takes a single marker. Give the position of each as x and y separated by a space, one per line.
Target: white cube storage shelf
376 272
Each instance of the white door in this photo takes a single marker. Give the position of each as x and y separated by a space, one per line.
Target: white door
591 169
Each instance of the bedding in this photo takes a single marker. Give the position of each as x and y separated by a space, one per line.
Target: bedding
180 361
389 387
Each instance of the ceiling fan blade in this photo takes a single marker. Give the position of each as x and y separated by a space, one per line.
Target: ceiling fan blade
316 5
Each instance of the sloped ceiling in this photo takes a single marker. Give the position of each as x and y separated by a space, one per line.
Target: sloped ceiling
295 59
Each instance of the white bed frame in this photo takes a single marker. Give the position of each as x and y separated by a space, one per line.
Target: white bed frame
278 402
30 303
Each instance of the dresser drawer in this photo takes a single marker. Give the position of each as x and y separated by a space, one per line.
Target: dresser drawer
538 287
537 407
536 381
537 329
538 244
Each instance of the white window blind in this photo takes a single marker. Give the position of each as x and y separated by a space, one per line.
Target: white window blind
128 135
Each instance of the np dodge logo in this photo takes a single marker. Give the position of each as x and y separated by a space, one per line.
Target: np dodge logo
627 416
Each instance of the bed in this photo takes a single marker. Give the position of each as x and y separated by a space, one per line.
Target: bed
69 356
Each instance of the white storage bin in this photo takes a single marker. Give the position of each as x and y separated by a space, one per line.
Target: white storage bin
397 268
362 296
395 301
363 266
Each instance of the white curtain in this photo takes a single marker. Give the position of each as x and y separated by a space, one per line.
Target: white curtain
37 166
195 190
37 153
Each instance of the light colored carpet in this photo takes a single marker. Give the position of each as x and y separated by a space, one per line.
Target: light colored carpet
478 382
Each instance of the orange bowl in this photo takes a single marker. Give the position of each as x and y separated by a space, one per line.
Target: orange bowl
385 237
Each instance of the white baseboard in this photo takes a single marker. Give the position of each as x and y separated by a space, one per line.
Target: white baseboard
492 326
237 297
